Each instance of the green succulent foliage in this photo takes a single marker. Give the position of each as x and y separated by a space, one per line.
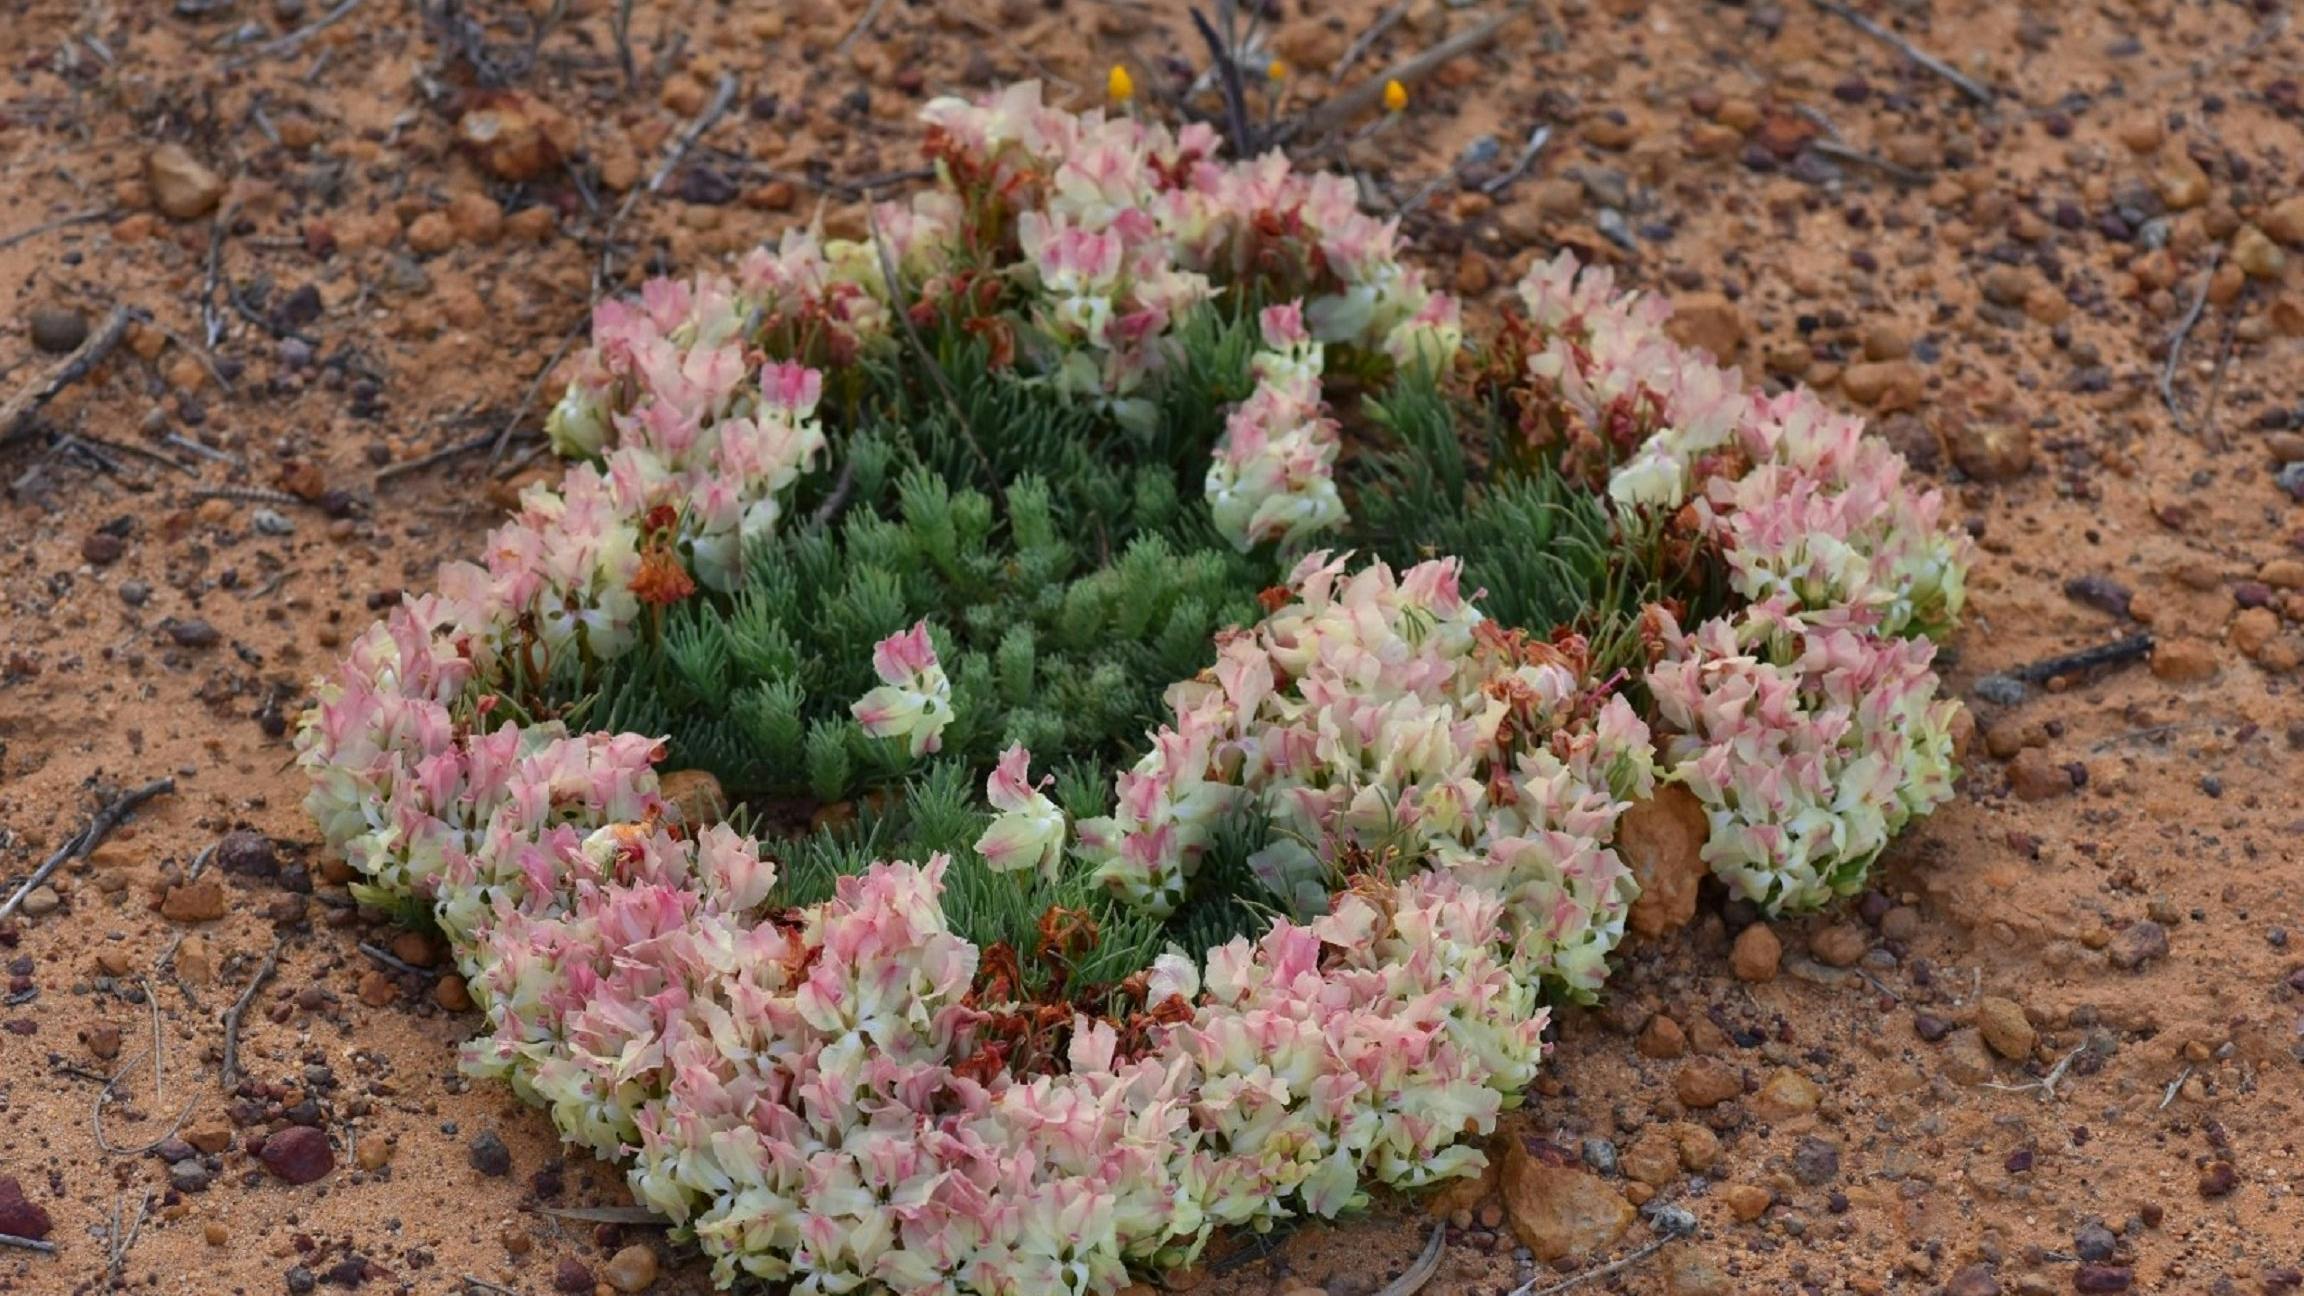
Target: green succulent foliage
1068 571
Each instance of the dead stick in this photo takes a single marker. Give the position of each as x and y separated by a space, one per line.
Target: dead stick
441 456
721 98
1228 77
1360 98
1974 90
536 384
61 222
2176 341
894 278
17 414
870 15
40 1245
1360 45
87 838
2111 654
1427 1263
1529 1288
231 1073
294 40
386 958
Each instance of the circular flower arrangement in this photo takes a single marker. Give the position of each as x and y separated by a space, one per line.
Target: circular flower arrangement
1305 655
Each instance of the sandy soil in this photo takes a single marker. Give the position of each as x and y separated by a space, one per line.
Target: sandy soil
2116 901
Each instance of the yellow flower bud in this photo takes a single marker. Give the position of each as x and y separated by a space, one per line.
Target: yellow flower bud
1277 70
1395 96
1118 85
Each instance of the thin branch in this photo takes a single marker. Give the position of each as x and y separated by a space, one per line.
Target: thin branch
1968 86
1360 45
103 822
2183 331
41 1245
1614 1266
231 1069
2117 652
1344 107
1537 139
2173 1086
294 40
606 1215
16 415
434 459
536 384
1420 1273
386 958
893 276
721 98
61 222
864 20
1228 77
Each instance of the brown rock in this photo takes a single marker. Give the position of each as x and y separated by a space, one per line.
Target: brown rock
1838 945
2283 573
1884 385
1707 1082
1887 339
2034 775
1663 1039
373 1152
2138 944
1785 1094
431 234
2284 220
103 1041
695 796
201 901
1688 1271
632 1269
1747 1202
2179 660
2254 628
2141 133
514 137
1989 450
2181 182
20 1217
1965 1058
2256 254
452 994
1756 954
378 990
2002 1024
298 1154
1710 322
1653 1158
1559 1211
1699 1147
183 188
1662 840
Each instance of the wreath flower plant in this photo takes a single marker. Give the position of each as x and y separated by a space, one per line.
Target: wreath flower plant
1180 691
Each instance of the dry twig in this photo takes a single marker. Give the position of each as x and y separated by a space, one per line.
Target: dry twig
61 222
103 822
294 40
231 1069
1427 1263
1529 1288
16 415
2176 341
1968 86
40 1245
1344 107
